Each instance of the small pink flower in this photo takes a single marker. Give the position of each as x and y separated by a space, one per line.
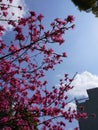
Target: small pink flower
3 8
20 37
64 54
32 13
13 48
81 108
45 82
7 128
73 26
5 14
93 115
10 1
18 29
61 22
4 119
20 7
40 17
70 18
41 26
76 128
2 29
27 58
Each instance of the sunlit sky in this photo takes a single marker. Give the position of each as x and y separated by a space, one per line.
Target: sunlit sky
81 44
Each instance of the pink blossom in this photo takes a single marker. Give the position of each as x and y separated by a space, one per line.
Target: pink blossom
61 22
3 8
70 18
13 48
27 58
18 29
73 26
64 54
40 17
7 128
5 14
4 120
32 13
20 36
10 1
76 128
2 29
41 26
20 7
26 98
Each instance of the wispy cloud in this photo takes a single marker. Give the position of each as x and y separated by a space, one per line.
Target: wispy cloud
82 82
13 10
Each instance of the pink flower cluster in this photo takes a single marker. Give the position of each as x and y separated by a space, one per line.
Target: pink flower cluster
27 102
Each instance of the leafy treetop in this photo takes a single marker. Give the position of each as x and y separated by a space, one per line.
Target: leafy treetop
87 5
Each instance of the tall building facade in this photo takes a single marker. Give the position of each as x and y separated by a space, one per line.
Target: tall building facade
89 106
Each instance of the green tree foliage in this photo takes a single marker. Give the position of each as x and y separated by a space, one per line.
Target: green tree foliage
87 5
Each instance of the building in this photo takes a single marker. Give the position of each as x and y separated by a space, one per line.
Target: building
89 106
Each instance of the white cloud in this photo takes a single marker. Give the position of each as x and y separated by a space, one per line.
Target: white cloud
71 105
82 82
17 12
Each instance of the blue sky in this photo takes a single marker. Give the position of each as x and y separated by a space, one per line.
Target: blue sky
81 44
